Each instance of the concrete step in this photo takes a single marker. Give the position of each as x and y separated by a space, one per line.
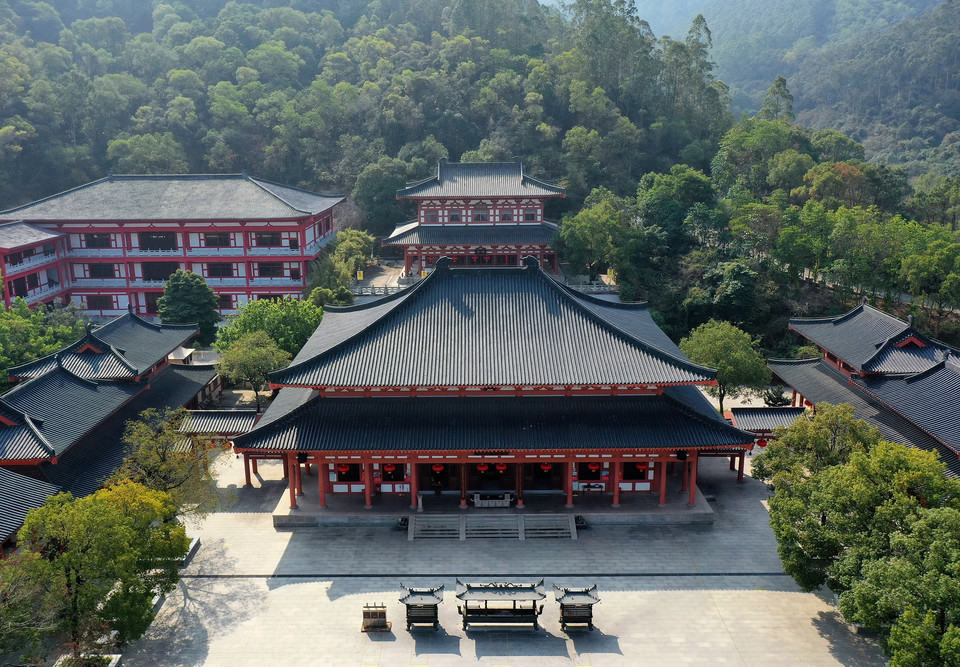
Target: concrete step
493 527
549 526
435 527
529 526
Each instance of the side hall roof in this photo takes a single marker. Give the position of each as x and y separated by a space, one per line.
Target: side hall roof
764 420
489 327
820 382
872 341
218 422
176 197
930 399
18 495
474 180
19 234
473 234
123 348
497 423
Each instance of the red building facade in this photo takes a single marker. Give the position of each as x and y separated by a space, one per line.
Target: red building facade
113 243
477 214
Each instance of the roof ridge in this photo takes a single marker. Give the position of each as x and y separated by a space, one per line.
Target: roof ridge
54 196
794 361
36 432
699 416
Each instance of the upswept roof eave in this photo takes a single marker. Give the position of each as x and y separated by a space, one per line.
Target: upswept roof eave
57 195
262 183
20 370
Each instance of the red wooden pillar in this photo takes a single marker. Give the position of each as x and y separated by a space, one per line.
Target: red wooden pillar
793 399
299 474
617 468
569 484
463 486
291 476
367 485
519 484
306 466
246 468
743 456
253 462
663 482
693 481
413 486
322 476
733 460
684 469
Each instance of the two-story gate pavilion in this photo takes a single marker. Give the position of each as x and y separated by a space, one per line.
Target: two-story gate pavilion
492 380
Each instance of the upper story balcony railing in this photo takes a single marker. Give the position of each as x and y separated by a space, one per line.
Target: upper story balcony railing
272 251
275 282
140 252
95 252
99 282
226 282
148 282
43 292
323 241
215 252
29 263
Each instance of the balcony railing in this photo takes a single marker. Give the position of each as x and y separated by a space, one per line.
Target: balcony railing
43 292
95 252
29 263
99 282
140 252
275 282
271 251
215 252
147 282
312 248
226 282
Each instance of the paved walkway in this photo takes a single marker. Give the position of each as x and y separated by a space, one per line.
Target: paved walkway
254 595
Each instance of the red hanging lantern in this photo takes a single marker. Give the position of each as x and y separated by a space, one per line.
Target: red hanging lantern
762 443
483 467
389 467
501 467
594 467
643 466
546 466
343 468
605 478
437 467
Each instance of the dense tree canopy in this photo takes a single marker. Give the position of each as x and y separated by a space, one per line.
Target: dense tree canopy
720 345
288 322
187 299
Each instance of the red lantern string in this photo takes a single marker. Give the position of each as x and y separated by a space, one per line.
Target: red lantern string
762 443
594 466
483 467
546 466
501 467
343 468
389 467
437 467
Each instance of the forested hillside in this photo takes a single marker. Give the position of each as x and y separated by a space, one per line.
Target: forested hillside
315 93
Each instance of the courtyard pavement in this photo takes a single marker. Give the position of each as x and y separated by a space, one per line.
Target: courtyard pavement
670 595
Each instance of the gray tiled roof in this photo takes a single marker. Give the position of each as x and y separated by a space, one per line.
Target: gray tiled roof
819 382
473 234
931 399
128 346
481 180
855 336
764 420
218 422
180 197
483 327
94 458
452 423
910 358
62 408
18 234
18 495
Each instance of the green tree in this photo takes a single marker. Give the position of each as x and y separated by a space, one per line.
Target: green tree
250 358
376 192
28 333
148 154
721 345
288 322
101 559
587 240
160 457
187 299
778 104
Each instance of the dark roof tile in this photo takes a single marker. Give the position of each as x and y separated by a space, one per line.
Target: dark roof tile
18 234
473 234
481 180
18 495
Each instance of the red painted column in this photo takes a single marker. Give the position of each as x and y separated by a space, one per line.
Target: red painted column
519 484
246 468
743 457
463 486
291 475
733 460
793 399
367 485
413 486
299 473
569 484
663 482
617 470
693 480
253 462
322 482
684 470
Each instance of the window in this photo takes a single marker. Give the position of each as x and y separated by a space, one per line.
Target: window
159 271
49 249
481 215
158 241
33 281
220 270
99 302
103 271
268 239
455 216
506 216
431 216
294 274
294 244
216 240
150 301
19 286
98 240
225 301
530 215
270 270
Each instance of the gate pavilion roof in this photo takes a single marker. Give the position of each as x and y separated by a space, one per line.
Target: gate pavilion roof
472 180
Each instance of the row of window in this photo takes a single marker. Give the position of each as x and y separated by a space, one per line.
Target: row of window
481 215
168 240
48 250
111 301
162 270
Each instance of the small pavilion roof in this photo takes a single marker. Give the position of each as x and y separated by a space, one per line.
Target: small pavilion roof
579 596
930 399
872 341
218 422
473 180
489 327
15 235
473 234
764 420
415 596
176 197
495 423
57 408
18 495
500 591
820 382
123 348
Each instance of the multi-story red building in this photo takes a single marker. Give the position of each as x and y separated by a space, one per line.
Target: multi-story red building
113 243
477 214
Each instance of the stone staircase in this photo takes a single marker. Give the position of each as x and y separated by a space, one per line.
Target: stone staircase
523 526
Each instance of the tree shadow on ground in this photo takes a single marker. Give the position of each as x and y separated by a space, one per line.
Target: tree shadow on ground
847 646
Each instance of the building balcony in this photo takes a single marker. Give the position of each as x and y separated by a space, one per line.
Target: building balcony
30 263
215 253
226 282
276 282
94 283
95 252
43 292
316 246
143 283
273 251
138 252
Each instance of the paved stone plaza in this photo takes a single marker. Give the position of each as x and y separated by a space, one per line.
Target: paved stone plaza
256 595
